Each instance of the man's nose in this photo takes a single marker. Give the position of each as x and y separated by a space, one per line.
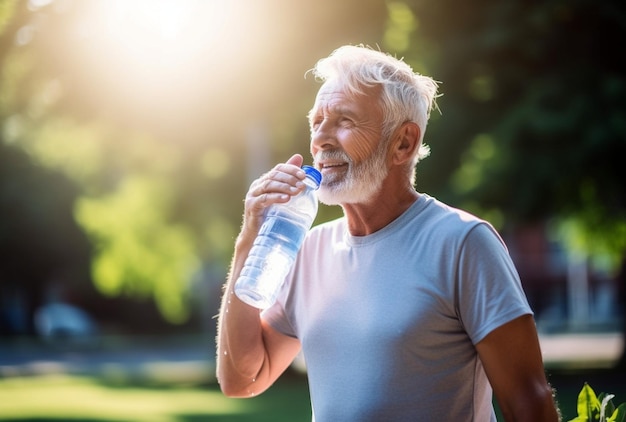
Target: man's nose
323 137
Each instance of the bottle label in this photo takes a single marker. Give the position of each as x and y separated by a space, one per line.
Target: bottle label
288 232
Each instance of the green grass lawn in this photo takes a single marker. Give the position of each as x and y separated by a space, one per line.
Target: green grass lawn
57 398
71 398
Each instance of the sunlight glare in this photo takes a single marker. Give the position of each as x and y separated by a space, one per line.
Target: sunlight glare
150 51
149 33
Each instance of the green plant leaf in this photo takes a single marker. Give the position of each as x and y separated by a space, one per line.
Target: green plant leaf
619 415
588 404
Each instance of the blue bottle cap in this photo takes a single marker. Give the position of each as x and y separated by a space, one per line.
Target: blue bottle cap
313 173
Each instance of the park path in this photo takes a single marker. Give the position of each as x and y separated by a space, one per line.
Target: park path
189 360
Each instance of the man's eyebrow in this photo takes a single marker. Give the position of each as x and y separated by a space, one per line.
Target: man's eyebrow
341 110
344 110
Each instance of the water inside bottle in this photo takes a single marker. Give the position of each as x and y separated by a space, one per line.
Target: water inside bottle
285 230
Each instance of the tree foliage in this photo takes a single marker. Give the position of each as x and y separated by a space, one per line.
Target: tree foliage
148 109
534 112
160 132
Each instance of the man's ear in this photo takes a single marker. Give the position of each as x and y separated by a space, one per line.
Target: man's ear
406 142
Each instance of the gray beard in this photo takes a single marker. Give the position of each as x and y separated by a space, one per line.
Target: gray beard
361 182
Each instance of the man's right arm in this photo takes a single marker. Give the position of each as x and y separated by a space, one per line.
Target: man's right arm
251 355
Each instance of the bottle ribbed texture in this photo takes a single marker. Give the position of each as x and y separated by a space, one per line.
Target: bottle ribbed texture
277 244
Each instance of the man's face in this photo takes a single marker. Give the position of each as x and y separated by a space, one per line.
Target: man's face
346 144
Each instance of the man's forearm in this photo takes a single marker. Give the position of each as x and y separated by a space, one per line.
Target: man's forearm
240 351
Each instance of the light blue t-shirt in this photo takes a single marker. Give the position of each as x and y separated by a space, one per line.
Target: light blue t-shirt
388 321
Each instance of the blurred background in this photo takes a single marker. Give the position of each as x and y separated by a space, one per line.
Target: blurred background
131 129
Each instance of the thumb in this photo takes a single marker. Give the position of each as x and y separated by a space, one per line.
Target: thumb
296 160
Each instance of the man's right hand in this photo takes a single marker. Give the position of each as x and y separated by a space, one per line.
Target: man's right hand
276 186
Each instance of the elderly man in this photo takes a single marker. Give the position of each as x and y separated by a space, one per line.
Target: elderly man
406 309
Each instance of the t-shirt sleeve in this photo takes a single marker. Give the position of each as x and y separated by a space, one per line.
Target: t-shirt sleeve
490 292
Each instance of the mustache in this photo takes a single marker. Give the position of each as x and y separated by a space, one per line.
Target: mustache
334 154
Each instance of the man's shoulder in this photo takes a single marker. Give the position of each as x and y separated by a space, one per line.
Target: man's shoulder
449 223
440 212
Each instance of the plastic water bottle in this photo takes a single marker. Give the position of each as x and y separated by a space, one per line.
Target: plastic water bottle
277 244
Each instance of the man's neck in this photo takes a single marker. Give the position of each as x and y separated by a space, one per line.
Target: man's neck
379 211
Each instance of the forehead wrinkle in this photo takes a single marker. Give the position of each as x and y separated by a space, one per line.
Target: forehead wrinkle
334 99
333 108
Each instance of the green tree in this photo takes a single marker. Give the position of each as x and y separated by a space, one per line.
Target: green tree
39 240
534 112
146 107
124 178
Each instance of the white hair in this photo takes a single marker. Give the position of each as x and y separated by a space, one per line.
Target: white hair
406 96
